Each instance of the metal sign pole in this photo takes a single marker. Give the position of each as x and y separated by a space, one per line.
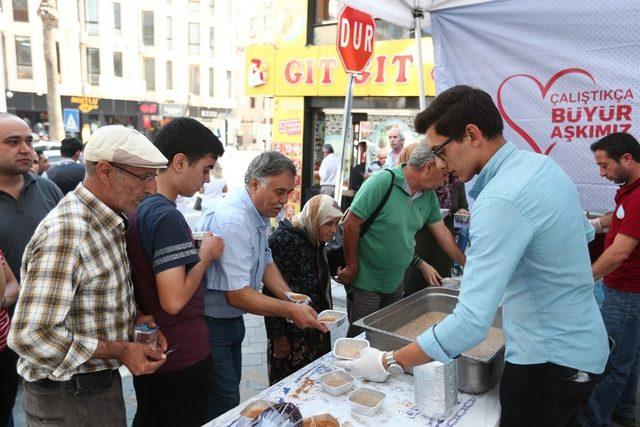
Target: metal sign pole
346 146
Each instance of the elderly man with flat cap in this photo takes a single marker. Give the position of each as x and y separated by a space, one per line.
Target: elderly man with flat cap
73 323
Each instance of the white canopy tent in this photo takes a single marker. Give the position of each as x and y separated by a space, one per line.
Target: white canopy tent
412 14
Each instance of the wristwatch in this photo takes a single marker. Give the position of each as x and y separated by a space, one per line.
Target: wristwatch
392 365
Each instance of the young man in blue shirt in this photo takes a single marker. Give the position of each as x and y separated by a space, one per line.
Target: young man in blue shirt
167 275
529 252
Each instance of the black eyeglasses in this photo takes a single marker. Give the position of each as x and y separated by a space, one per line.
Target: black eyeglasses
144 178
438 150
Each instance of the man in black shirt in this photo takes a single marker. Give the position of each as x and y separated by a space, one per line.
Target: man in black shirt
68 173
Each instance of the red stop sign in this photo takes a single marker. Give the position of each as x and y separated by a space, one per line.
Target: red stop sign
356 37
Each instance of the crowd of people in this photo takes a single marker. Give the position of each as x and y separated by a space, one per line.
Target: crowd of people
98 250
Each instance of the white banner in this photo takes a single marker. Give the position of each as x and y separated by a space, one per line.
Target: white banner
562 73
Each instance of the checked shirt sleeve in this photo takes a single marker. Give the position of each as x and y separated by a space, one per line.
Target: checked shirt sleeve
39 333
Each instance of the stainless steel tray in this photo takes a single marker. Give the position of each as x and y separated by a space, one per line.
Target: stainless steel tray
475 375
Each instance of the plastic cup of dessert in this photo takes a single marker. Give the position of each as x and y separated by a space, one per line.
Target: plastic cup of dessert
336 382
366 401
349 348
331 319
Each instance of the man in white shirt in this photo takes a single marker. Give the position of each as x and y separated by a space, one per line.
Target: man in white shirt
396 141
328 171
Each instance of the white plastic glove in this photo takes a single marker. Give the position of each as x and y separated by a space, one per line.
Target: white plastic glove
368 366
595 222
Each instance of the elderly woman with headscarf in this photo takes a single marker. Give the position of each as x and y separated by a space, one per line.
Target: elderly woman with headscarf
297 247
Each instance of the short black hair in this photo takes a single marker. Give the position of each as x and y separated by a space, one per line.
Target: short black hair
617 145
39 151
189 137
70 146
457 107
328 147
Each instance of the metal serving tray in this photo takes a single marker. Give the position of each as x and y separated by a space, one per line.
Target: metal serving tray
475 375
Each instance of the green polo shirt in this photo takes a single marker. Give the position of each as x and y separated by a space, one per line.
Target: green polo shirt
385 251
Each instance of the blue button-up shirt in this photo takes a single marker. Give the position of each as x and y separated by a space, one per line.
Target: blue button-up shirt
246 252
528 250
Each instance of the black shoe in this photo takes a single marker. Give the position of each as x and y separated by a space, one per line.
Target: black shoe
624 422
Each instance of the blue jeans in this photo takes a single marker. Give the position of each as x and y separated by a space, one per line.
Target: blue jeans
225 339
616 393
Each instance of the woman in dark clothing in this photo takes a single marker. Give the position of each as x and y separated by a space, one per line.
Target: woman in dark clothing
297 247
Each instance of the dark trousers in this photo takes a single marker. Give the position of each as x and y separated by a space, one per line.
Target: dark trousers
616 393
225 339
542 395
46 406
176 398
9 380
361 303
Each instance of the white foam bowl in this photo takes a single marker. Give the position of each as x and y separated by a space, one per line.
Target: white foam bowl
331 318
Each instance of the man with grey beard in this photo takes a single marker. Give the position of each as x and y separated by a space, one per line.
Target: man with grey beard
235 280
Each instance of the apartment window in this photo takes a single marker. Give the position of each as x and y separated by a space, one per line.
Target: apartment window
326 11
211 37
21 10
212 7
117 64
194 38
91 16
150 73
147 28
169 32
23 57
194 79
194 6
93 65
211 81
252 102
117 18
228 84
169 75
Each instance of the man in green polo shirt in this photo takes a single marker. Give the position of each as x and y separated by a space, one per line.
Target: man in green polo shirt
376 263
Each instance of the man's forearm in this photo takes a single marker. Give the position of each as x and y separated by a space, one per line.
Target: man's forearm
249 300
274 281
608 261
409 356
350 242
445 239
109 350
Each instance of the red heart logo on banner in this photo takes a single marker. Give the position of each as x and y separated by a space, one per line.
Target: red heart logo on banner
544 89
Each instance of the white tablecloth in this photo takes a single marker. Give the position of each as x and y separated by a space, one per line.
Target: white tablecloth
398 409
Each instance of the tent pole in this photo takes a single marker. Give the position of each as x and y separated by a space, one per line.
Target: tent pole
417 15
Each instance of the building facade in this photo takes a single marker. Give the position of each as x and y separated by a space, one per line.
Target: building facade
301 73
132 62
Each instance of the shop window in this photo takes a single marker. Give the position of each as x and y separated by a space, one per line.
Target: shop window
211 82
23 57
169 32
147 28
228 84
150 73
117 64
93 65
194 6
91 16
211 37
194 79
20 10
117 18
194 38
169 75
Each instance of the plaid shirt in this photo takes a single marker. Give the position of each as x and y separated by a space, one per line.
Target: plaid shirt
76 290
